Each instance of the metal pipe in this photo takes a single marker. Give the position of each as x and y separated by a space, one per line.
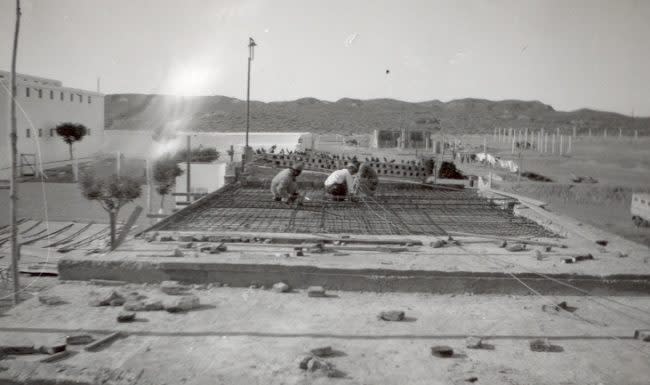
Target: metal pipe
13 193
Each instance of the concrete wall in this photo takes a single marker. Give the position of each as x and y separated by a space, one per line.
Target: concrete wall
40 112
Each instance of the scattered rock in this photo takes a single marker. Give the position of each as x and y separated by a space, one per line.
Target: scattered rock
516 247
150 237
548 249
392 315
187 245
79 339
199 238
578 258
51 300
126 316
538 255
442 351
104 299
117 301
185 238
602 242
268 240
474 343
316 291
253 286
471 379
325 351
280 287
214 238
150 305
173 288
620 254
299 253
503 244
543 345
178 253
166 238
438 244
182 304
221 247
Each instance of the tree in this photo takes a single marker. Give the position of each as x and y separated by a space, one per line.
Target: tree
111 192
165 171
71 133
199 155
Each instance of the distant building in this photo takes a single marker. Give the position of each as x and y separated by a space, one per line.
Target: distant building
41 104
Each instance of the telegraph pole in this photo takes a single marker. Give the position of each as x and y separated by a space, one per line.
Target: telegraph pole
251 53
13 194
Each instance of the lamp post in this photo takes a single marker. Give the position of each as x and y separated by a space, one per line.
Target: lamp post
251 55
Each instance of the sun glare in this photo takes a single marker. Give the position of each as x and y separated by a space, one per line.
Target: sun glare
190 80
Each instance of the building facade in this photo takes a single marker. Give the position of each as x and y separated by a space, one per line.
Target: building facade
42 104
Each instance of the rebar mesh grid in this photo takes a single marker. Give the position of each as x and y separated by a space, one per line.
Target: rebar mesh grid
396 209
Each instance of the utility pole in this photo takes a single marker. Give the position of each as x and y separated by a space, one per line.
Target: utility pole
188 160
13 193
251 54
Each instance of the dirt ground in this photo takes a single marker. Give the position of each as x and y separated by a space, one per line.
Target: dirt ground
254 336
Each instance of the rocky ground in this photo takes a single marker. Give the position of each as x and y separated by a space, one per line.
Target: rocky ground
258 335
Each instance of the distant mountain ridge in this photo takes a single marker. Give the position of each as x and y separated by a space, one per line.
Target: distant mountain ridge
354 116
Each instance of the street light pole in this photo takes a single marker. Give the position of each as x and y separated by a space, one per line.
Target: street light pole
251 52
13 194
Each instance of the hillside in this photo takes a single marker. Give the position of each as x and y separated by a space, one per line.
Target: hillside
224 114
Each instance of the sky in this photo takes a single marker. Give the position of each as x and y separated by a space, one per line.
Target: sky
570 54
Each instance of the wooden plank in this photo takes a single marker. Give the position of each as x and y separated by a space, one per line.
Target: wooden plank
157 215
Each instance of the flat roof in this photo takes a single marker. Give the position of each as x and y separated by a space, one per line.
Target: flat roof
396 209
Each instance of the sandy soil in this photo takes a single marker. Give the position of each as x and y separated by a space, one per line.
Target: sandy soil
252 336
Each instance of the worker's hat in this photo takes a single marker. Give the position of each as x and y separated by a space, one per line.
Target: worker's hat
298 166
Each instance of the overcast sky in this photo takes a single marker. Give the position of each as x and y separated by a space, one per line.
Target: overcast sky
567 53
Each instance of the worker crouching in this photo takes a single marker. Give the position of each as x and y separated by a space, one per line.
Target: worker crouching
340 183
284 186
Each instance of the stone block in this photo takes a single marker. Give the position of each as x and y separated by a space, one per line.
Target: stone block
316 291
50 300
126 316
173 288
280 287
392 315
442 351
182 304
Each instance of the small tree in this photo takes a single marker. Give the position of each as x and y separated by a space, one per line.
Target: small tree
199 155
165 171
111 192
71 133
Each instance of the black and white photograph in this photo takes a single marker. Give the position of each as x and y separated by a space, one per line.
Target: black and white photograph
340 192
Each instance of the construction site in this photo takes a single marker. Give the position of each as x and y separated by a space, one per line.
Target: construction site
419 283
420 193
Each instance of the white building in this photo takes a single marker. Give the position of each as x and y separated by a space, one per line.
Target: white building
41 104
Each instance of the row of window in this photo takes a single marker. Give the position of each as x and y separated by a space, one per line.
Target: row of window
61 95
28 132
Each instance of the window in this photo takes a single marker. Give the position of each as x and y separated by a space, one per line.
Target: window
28 133
71 97
89 99
27 91
80 98
40 132
51 94
40 94
61 95
51 132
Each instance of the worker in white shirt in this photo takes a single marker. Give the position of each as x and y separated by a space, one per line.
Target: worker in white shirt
341 183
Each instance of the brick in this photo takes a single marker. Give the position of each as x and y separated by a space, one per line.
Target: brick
126 316
182 304
79 339
50 300
173 288
516 247
280 287
392 315
316 291
543 345
324 351
442 351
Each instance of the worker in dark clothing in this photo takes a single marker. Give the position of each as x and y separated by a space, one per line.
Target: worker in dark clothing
284 186
366 180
